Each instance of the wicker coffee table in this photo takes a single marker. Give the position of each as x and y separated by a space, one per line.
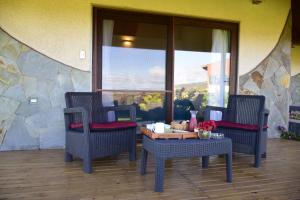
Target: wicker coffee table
166 149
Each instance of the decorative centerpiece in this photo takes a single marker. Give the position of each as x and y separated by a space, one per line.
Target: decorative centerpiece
205 128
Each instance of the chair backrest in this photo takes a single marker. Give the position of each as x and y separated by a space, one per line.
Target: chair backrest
91 101
246 109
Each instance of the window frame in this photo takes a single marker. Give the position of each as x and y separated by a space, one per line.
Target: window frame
102 13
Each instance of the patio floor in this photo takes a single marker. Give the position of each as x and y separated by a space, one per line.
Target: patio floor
44 175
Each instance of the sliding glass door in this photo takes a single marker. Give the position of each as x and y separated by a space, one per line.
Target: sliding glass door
201 69
134 66
164 65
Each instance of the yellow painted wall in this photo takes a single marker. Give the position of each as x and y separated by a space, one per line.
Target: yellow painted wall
61 28
295 61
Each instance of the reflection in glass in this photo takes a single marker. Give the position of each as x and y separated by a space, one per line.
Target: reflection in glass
133 56
150 106
133 69
201 69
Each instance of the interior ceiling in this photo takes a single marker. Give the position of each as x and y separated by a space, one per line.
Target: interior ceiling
143 35
154 36
295 21
192 38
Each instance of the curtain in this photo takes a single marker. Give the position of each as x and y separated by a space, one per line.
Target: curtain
216 88
108 27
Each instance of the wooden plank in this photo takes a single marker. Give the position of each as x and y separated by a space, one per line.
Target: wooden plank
43 174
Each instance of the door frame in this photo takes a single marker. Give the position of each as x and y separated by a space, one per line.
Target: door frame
102 13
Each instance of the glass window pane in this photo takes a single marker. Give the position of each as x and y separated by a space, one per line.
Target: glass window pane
150 106
133 55
201 69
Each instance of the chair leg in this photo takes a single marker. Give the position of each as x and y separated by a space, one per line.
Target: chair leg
205 161
132 148
229 167
264 155
257 160
159 174
68 157
87 165
144 162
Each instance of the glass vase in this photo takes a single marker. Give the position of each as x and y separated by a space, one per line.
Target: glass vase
193 120
202 134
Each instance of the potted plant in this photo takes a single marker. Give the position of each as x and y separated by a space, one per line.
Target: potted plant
285 134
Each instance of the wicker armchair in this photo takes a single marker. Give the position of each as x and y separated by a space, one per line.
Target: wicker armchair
245 122
89 135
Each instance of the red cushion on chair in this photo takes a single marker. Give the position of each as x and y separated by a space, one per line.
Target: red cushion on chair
106 125
113 125
228 124
76 125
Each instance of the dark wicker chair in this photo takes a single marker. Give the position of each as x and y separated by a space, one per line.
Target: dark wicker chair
89 135
245 122
294 125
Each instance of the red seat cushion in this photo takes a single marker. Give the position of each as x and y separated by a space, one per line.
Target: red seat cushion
228 124
113 125
76 125
106 125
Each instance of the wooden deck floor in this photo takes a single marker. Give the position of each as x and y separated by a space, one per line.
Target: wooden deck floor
44 175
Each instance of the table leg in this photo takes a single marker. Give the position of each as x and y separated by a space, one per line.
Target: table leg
159 174
68 157
132 148
205 161
257 160
229 167
144 162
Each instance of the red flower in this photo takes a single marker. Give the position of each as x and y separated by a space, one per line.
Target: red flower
207 125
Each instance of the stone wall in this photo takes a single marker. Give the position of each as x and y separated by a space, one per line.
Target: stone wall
25 74
271 78
295 89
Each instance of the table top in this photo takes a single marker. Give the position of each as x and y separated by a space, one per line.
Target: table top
187 141
174 135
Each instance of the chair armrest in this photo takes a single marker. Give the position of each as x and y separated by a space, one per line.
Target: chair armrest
74 110
213 108
266 111
130 108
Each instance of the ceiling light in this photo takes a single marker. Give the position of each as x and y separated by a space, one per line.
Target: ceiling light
127 43
127 38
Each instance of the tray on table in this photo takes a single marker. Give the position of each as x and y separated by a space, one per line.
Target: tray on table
175 135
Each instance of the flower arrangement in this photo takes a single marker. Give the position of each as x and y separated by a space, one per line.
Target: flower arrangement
285 134
205 128
207 125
